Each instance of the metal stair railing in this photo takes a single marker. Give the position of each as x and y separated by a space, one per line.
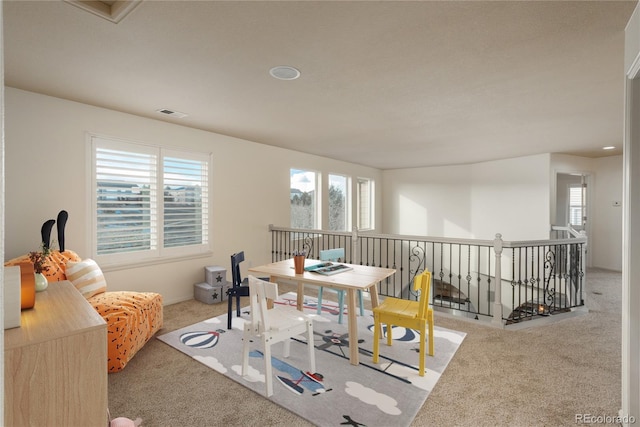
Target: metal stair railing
502 282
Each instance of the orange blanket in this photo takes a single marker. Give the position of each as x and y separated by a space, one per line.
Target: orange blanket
55 264
132 319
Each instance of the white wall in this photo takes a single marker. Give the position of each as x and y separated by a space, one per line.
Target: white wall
510 197
605 240
46 171
433 201
514 197
631 225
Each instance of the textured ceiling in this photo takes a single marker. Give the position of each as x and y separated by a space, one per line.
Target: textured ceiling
386 84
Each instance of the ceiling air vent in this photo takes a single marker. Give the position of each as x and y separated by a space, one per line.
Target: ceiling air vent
176 114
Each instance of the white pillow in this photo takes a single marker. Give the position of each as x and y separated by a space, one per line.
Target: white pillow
87 277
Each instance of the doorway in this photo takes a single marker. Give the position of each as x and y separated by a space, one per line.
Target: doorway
571 200
572 203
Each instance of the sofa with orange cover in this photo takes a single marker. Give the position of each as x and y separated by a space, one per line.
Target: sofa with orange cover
132 317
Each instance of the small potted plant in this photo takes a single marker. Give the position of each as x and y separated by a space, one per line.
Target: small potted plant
38 259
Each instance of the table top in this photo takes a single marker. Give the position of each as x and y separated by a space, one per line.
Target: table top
60 311
360 277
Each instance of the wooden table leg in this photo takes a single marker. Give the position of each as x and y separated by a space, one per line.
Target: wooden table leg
373 293
300 300
353 327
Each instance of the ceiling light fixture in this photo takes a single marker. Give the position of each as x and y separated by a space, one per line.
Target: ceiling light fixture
284 72
609 147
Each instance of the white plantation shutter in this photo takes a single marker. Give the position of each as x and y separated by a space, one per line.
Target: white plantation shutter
186 208
365 204
126 194
576 205
149 202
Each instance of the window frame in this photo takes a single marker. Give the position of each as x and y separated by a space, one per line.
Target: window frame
317 210
370 203
159 253
347 201
580 208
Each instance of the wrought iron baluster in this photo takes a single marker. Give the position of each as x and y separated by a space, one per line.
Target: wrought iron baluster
544 278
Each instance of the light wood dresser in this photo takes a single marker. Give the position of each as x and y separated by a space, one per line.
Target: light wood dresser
55 368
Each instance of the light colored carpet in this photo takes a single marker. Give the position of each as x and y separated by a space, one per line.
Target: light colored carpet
389 393
540 376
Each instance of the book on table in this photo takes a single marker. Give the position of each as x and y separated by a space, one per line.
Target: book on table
328 268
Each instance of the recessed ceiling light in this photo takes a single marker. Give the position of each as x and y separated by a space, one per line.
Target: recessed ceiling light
610 147
284 72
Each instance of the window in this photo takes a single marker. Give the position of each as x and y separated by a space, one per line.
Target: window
338 203
576 206
365 204
148 202
304 199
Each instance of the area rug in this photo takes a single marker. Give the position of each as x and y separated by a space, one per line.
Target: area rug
389 393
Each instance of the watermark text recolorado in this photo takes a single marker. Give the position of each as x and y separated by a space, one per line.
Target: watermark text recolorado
604 419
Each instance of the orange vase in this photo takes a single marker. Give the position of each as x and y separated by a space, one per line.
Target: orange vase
27 286
298 263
